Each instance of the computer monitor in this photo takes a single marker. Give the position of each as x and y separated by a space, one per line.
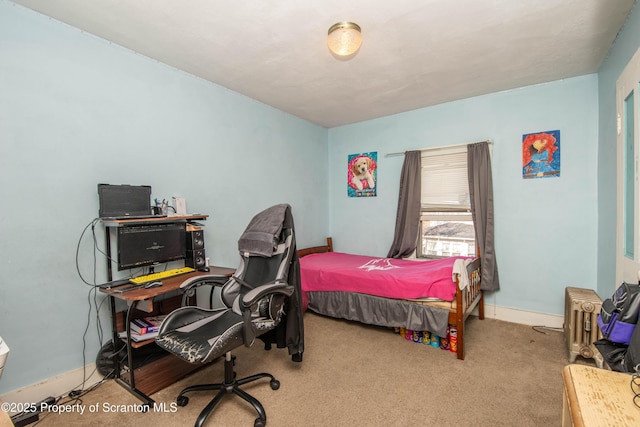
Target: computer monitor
122 201
145 245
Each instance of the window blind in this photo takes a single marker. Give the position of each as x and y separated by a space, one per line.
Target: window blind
444 180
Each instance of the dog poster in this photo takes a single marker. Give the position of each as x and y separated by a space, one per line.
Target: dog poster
541 154
362 174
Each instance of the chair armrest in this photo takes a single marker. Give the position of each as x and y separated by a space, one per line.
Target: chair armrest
251 298
258 293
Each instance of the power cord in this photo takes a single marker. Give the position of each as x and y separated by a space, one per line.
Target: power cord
93 302
91 225
93 299
75 395
540 328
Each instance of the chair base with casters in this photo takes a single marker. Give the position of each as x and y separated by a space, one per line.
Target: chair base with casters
230 385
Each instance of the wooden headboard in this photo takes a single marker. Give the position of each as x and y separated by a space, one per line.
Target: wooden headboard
317 249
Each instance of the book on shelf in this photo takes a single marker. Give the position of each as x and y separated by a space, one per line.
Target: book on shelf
138 337
146 325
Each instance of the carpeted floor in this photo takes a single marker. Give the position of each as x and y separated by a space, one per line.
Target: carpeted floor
357 375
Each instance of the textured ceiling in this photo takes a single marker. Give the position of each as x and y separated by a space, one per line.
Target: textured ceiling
415 53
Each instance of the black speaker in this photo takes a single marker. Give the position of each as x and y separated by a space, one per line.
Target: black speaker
195 259
195 240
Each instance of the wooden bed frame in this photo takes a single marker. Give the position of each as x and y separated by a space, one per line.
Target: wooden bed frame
466 300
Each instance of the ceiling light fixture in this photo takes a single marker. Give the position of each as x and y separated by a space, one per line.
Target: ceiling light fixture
344 39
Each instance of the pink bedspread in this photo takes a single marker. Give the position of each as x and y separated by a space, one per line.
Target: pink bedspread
385 277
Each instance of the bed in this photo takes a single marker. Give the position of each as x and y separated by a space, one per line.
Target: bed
373 290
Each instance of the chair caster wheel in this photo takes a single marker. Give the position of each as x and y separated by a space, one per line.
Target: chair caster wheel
182 400
259 422
275 384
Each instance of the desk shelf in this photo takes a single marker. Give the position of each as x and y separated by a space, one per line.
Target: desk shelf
164 306
165 368
138 221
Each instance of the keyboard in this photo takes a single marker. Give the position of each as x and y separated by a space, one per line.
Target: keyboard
162 275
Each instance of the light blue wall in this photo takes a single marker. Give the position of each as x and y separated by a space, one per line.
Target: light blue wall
626 44
76 111
546 229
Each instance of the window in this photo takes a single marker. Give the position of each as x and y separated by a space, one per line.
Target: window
446 226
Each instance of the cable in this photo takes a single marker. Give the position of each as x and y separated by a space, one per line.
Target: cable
77 392
93 296
539 327
93 302
92 225
71 397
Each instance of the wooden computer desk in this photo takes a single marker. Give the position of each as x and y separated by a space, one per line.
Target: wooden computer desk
147 379
595 397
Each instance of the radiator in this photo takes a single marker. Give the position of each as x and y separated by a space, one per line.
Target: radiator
582 307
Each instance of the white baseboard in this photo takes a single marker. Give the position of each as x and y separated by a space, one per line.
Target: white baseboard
523 317
54 386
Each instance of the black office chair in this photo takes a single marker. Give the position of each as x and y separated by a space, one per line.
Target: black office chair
263 294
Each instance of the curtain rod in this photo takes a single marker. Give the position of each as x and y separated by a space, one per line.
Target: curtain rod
437 148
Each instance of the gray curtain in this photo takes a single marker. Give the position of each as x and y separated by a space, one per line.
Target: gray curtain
408 216
481 192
